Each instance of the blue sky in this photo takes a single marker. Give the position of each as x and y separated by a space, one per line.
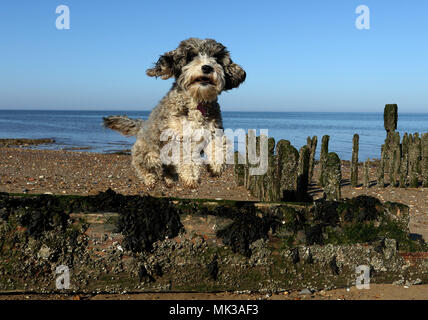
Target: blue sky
304 55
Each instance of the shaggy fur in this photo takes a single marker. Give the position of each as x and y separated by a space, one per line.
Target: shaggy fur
202 70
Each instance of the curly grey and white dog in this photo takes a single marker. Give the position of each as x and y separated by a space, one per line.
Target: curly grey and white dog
202 70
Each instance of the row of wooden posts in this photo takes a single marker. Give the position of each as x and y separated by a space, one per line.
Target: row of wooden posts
291 171
405 163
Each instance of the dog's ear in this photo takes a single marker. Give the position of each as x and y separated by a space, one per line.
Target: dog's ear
234 75
164 67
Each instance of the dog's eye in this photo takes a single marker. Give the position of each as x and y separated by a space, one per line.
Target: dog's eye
219 57
190 56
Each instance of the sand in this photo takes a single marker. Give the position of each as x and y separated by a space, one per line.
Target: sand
375 292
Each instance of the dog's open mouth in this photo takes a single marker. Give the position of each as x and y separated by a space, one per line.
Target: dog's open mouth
203 80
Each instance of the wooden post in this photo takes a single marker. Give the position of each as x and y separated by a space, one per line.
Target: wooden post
332 177
367 173
354 162
312 144
302 178
323 157
286 170
425 160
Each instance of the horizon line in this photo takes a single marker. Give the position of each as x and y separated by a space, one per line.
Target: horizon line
267 111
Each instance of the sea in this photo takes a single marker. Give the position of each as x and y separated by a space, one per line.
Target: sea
83 130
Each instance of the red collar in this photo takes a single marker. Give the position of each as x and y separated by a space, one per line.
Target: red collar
203 108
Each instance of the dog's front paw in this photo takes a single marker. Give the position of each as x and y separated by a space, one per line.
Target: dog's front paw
189 174
169 182
216 169
149 180
191 184
189 180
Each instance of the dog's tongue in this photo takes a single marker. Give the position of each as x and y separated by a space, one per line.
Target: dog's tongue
203 109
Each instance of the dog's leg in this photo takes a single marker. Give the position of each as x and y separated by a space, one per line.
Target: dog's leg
147 162
170 175
147 176
189 174
216 159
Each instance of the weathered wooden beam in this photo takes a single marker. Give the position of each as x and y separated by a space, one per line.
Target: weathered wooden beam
114 243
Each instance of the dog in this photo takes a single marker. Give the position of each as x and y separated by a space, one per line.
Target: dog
202 70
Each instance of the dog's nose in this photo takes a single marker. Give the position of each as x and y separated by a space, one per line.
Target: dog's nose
207 69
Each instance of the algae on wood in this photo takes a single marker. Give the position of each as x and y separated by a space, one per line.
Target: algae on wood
303 174
239 169
381 169
323 157
390 117
312 144
287 170
414 160
332 177
424 164
185 250
270 191
367 173
395 159
404 169
354 161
